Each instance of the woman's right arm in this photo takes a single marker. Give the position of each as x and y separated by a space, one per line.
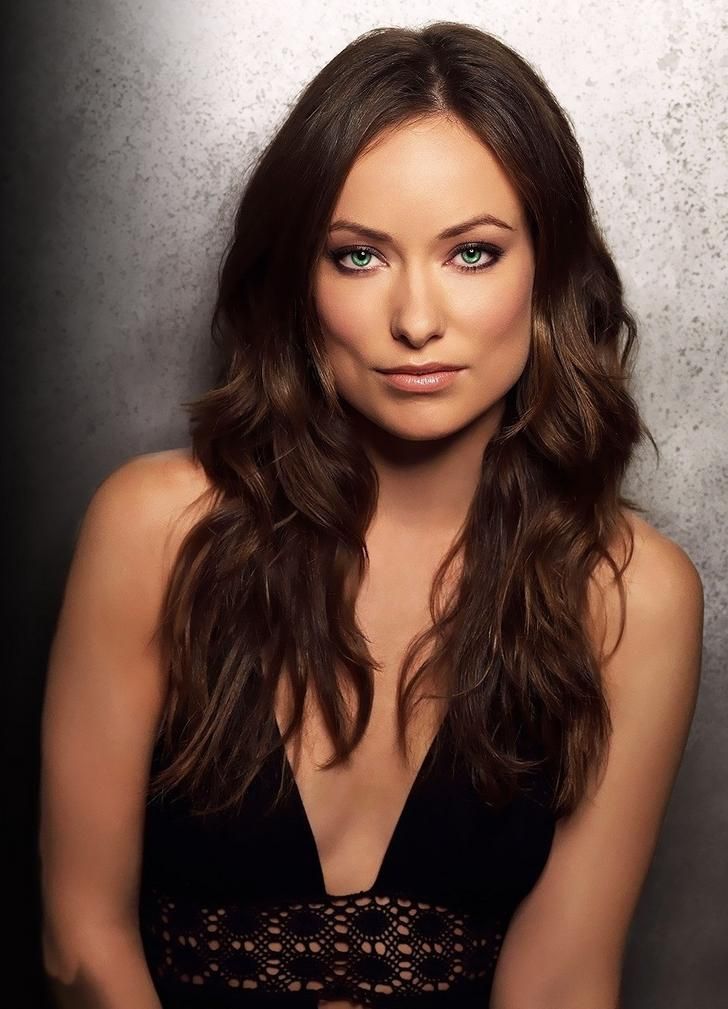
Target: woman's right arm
104 696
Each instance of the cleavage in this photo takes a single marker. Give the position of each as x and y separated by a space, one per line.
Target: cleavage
353 811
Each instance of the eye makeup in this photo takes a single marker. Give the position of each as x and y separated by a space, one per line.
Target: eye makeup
494 251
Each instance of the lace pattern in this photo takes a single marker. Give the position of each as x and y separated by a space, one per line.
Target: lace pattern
361 947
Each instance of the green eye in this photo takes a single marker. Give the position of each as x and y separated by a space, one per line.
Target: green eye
361 254
361 257
473 258
472 253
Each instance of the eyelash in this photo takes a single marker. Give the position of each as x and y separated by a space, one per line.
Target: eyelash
337 254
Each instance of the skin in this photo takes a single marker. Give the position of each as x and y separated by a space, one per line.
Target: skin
412 301
416 298
564 945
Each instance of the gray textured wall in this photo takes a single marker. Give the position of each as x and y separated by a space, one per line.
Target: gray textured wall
130 127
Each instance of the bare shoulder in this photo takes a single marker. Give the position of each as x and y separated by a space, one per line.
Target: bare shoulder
153 499
659 557
663 589
169 481
654 556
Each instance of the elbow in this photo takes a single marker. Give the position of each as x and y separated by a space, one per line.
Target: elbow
105 967
66 956
549 978
574 993
60 959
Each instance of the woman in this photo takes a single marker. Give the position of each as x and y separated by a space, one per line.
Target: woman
376 697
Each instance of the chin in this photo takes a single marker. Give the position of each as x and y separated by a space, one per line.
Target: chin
420 430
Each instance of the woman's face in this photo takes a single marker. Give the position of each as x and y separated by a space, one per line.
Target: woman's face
410 296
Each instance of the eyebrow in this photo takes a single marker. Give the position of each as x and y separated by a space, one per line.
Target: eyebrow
453 232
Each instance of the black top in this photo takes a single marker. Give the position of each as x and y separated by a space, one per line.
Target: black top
234 911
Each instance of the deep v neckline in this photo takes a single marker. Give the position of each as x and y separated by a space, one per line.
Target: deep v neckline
398 826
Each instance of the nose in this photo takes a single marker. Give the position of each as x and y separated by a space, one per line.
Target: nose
417 315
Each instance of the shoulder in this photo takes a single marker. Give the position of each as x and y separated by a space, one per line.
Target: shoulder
651 663
165 481
659 561
155 488
663 594
143 508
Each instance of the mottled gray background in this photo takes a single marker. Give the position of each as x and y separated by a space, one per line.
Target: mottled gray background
127 130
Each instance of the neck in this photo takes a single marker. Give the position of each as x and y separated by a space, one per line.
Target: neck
427 486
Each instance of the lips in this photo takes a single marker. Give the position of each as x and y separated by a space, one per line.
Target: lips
420 369
418 381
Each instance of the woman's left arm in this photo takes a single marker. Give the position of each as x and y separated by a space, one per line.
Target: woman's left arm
565 944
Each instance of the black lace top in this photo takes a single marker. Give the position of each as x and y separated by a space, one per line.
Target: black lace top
234 910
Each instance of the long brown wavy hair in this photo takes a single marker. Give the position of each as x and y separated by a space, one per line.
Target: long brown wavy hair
273 567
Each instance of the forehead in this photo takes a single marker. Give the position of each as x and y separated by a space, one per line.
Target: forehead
437 168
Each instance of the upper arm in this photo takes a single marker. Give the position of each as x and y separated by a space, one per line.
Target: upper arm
104 695
565 943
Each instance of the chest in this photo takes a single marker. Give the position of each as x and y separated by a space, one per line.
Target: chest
359 856
353 809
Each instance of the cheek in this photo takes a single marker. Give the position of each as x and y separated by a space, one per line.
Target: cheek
499 305
347 313
501 315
